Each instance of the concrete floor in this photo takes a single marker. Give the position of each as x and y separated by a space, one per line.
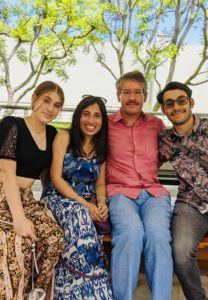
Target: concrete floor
143 293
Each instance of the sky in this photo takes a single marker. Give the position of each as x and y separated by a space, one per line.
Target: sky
193 38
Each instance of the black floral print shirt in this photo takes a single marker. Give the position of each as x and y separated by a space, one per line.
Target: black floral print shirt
193 177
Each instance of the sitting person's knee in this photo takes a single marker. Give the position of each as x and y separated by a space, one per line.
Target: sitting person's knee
183 252
131 233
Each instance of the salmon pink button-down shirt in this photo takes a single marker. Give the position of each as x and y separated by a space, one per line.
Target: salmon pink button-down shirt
132 163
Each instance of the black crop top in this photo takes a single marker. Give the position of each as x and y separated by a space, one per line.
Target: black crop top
17 143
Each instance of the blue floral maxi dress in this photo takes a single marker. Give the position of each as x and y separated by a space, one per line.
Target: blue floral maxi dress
80 273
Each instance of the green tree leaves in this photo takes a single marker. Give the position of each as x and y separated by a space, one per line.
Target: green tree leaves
43 33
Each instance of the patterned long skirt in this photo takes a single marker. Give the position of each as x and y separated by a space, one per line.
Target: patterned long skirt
15 251
80 273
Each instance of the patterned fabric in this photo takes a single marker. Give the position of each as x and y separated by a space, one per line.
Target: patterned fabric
9 137
80 273
193 177
15 251
17 144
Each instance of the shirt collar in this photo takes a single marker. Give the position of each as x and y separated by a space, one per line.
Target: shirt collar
118 116
196 123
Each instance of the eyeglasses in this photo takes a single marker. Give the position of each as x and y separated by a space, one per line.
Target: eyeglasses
137 93
94 97
170 103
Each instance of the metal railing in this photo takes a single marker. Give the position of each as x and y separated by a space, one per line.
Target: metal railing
23 110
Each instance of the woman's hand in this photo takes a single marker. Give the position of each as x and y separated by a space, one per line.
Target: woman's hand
103 209
94 212
25 227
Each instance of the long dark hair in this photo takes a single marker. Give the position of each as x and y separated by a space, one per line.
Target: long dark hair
100 139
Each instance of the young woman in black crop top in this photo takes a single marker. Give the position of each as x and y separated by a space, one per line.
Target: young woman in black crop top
25 155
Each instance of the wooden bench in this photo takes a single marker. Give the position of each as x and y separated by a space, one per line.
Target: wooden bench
204 242
202 250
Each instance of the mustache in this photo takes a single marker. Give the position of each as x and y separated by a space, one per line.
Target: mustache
132 102
178 111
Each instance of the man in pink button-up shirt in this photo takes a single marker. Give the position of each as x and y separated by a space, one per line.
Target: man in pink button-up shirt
139 206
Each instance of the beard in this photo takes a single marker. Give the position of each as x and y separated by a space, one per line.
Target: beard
182 120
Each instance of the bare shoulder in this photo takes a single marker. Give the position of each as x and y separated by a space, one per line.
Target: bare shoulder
63 134
62 138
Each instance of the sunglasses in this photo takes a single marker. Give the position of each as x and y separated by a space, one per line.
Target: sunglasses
94 97
170 103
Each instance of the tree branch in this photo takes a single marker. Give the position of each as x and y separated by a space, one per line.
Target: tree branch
101 61
205 46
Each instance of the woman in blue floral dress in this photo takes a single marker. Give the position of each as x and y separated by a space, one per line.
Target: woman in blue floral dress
77 174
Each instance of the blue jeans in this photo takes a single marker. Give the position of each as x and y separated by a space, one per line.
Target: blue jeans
141 225
188 228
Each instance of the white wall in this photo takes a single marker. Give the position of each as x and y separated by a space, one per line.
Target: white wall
88 77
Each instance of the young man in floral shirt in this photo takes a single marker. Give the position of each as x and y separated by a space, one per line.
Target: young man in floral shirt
186 147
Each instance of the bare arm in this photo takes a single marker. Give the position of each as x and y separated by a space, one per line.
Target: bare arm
101 192
22 225
100 186
60 145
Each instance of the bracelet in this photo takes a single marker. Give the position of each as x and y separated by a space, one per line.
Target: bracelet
102 198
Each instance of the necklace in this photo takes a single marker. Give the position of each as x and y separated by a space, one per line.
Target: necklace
88 152
33 128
